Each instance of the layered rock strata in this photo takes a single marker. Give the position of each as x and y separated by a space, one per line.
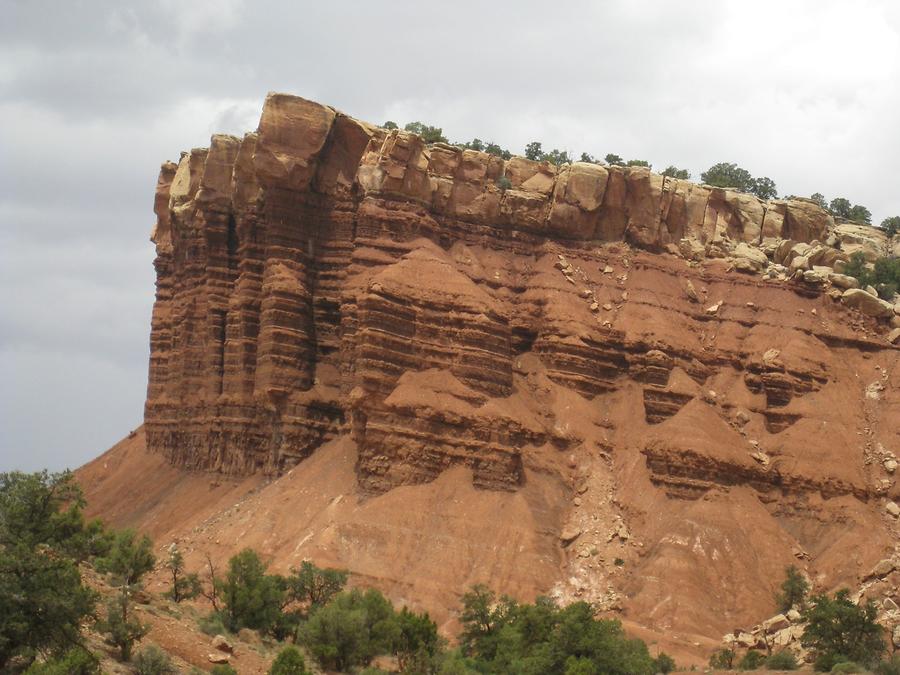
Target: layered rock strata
689 362
294 288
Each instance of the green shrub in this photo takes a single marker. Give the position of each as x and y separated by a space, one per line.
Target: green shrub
76 661
351 630
507 637
889 667
212 624
838 630
847 667
223 669
665 663
722 659
289 662
42 538
751 661
793 589
153 661
783 660
129 558
252 598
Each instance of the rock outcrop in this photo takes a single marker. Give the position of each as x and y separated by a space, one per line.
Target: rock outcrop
670 352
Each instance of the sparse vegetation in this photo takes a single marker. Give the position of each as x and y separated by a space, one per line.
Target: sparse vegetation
223 669
351 630
153 661
212 624
751 660
43 601
250 597
725 174
884 275
428 133
665 663
184 586
76 661
838 630
891 226
793 589
129 559
782 660
722 659
503 636
674 172
289 662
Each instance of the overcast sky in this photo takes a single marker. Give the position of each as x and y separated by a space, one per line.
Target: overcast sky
94 95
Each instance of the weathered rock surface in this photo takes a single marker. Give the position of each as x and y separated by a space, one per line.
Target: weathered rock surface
522 385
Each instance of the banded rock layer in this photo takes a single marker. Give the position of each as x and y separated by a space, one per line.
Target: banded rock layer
303 269
324 282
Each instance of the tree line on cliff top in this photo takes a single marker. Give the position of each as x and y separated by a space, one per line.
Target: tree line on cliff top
722 174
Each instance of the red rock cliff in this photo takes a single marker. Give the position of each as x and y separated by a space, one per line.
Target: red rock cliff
323 278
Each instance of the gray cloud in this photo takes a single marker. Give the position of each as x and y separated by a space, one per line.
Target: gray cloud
95 94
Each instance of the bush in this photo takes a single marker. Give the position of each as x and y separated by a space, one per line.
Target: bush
847 667
838 630
428 133
289 662
751 661
674 172
212 624
124 630
665 663
223 669
129 558
351 630
793 589
252 598
42 537
76 661
891 226
783 660
886 277
723 659
153 661
889 667
506 637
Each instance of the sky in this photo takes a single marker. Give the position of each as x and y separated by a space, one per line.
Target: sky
95 95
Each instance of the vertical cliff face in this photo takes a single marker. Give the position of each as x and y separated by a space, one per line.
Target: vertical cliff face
674 354
295 283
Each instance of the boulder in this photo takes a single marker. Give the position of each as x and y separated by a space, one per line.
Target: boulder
883 568
892 508
776 623
868 304
569 534
870 241
816 276
894 338
793 615
750 257
843 281
221 643
805 220
218 658
801 262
